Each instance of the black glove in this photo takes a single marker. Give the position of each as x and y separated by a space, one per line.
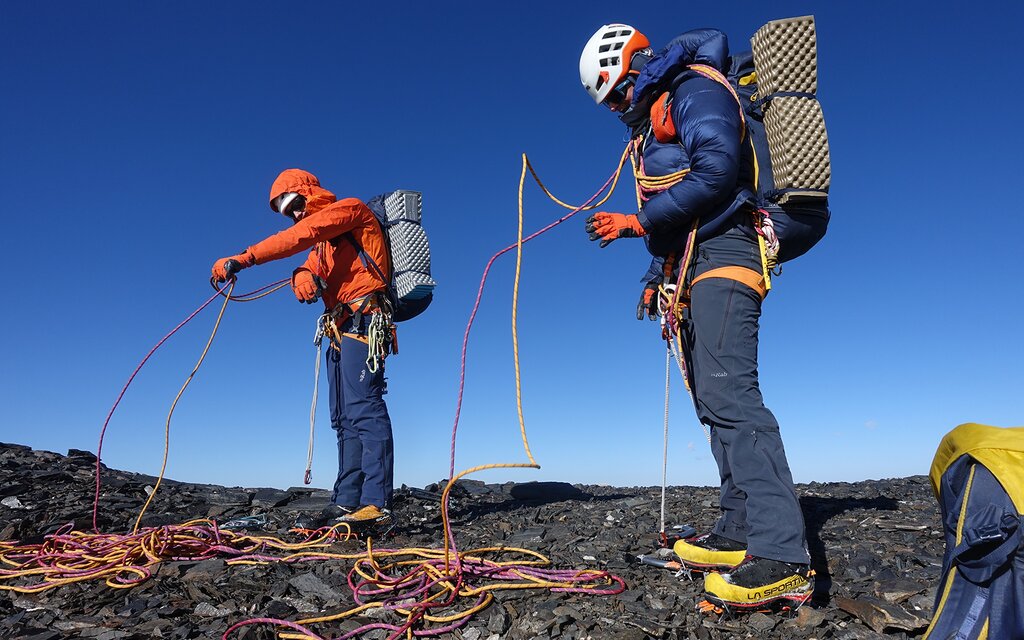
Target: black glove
648 301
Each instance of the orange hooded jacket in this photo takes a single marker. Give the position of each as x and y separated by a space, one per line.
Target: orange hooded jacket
333 258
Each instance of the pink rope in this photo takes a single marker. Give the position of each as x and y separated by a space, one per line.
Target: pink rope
103 431
479 295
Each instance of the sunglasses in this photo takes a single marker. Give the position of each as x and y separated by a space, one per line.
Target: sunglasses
617 95
290 204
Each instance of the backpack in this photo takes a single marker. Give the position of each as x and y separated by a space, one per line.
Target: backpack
978 478
410 289
777 84
774 85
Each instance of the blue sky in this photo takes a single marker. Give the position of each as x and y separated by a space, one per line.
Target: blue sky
139 141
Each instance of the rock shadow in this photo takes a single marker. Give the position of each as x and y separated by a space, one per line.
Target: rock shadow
534 494
817 511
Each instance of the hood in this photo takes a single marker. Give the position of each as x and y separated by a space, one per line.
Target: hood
306 185
700 46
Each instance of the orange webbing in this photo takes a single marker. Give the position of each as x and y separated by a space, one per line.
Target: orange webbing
749 277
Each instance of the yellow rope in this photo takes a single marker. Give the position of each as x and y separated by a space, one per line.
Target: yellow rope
139 551
611 190
167 426
515 314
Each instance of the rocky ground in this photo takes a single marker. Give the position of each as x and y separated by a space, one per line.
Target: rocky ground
876 547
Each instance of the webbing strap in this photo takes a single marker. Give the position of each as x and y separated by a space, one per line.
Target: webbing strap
749 277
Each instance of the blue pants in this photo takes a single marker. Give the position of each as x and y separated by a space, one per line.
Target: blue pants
758 501
366 454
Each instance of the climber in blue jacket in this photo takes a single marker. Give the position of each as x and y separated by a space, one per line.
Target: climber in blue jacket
695 168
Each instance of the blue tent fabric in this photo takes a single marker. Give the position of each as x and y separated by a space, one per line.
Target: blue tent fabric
982 590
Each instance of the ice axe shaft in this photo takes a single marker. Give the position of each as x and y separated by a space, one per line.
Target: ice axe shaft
671 565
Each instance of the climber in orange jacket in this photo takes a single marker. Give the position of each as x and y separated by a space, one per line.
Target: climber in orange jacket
334 230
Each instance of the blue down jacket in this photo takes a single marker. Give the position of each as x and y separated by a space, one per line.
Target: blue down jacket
710 143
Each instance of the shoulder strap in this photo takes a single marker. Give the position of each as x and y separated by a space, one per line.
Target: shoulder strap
365 258
712 73
661 111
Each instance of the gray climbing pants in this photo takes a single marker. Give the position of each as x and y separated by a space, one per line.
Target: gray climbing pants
758 501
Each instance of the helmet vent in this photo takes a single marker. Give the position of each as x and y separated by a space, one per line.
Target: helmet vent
604 48
609 62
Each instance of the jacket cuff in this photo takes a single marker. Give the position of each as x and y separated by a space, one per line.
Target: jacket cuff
644 222
250 257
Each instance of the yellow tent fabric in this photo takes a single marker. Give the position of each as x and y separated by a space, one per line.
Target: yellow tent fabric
1000 449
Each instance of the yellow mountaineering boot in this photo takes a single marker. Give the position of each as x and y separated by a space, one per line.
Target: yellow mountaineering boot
370 515
709 552
760 583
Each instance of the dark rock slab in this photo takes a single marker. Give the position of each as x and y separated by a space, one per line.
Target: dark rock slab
270 498
228 498
308 584
545 492
872 543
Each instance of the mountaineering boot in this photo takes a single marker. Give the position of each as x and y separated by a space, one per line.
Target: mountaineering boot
757 583
369 516
331 515
709 552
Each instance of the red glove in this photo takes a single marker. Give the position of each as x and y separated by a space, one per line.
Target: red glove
225 268
306 286
610 226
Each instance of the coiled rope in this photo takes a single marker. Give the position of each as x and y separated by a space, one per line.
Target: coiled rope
425 593
433 580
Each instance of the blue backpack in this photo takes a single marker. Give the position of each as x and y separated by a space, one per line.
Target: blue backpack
978 478
410 288
799 216
800 221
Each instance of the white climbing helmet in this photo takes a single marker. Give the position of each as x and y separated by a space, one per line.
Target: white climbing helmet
604 63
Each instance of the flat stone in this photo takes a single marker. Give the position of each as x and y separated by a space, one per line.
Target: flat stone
309 503
881 615
270 498
761 622
206 570
42 635
228 498
207 610
308 584
898 590
13 489
12 502
531 534
80 454
806 618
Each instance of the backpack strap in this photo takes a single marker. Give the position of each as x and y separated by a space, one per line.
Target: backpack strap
368 262
661 111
